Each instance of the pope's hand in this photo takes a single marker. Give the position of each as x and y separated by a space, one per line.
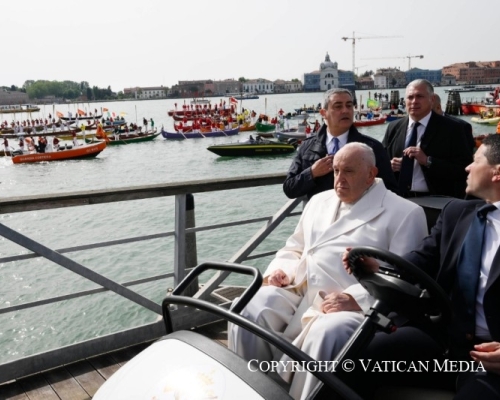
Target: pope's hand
369 264
278 278
335 302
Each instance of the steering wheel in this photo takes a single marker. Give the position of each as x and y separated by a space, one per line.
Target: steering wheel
404 288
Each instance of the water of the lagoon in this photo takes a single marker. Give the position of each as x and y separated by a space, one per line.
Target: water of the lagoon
160 161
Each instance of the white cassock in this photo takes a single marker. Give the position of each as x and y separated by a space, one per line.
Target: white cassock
312 259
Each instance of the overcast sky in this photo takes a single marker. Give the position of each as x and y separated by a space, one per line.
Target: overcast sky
159 42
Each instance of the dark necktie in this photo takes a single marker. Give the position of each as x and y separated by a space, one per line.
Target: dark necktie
335 147
469 262
406 172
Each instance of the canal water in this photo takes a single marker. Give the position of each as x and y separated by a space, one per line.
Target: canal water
160 161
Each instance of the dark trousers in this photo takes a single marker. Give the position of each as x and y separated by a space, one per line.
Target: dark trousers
391 357
407 346
479 385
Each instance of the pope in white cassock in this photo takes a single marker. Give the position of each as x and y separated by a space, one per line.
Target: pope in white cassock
307 296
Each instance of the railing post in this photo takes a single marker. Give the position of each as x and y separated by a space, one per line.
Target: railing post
191 250
185 253
180 239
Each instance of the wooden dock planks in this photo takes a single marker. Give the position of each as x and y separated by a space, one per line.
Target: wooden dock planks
81 380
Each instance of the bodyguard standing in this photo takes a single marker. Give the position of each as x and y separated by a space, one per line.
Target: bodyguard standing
428 152
311 169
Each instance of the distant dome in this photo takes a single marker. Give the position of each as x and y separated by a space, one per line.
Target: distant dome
328 63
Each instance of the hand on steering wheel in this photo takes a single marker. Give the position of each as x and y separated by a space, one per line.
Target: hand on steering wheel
405 288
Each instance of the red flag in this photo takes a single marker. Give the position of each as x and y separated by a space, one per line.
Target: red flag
233 100
59 114
114 115
80 112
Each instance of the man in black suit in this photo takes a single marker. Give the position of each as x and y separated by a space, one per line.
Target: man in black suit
311 169
474 334
438 109
438 153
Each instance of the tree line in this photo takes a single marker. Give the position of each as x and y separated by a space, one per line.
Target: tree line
66 90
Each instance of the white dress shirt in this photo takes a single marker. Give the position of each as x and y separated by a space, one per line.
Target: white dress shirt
329 140
418 183
491 245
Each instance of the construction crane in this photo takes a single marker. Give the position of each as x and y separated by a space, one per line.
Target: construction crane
354 38
408 57
357 68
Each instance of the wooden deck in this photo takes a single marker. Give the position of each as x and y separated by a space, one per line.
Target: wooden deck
81 380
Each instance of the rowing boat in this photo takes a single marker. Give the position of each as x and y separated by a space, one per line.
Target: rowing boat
263 127
80 118
199 135
75 153
247 126
131 138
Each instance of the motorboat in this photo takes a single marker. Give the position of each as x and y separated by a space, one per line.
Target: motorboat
253 147
18 108
370 122
290 134
485 120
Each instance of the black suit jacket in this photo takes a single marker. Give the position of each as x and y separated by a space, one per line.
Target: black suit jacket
438 256
446 142
467 128
299 181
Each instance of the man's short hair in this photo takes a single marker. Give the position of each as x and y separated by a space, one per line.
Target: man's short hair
368 154
492 150
418 82
331 92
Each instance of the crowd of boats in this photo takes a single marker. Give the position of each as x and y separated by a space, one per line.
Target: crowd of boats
86 135
487 109
278 134
81 136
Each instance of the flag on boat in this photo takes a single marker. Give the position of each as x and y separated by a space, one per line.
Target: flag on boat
123 113
80 112
372 104
59 114
233 100
114 115
104 109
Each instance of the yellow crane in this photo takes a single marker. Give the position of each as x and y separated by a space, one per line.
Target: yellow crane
354 38
408 57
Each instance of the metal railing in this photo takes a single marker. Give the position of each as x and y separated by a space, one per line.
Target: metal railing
182 318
